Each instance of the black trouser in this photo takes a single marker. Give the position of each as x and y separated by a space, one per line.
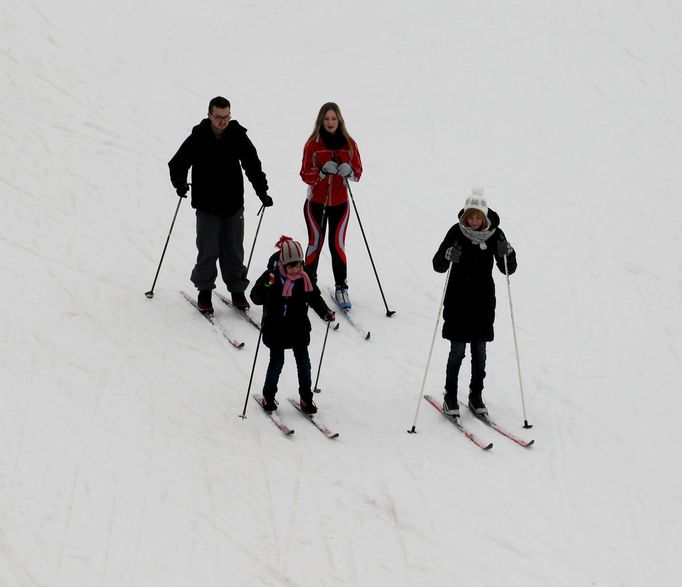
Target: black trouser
221 239
478 357
275 368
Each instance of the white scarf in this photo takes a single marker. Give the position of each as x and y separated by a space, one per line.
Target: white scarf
478 237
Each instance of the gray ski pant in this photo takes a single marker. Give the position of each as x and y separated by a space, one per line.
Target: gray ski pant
220 239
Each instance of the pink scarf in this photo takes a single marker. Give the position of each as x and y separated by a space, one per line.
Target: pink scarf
290 279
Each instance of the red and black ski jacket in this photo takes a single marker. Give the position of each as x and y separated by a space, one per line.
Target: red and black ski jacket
329 189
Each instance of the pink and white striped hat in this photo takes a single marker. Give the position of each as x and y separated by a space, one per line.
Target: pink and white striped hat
290 251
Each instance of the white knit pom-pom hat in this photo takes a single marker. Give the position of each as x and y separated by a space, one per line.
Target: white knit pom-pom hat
476 201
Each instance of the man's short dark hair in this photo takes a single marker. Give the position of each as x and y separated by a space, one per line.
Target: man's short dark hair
218 102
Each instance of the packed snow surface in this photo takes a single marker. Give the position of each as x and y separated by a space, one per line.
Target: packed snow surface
123 459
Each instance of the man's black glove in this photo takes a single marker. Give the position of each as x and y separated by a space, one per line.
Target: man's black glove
182 190
267 200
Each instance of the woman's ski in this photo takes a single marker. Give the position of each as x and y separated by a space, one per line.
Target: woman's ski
321 427
488 422
274 416
345 312
458 424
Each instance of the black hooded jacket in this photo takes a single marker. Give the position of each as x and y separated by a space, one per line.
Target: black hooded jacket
285 320
217 180
469 306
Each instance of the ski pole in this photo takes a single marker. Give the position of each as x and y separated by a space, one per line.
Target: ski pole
323 229
253 368
319 367
428 360
253 246
323 220
389 313
150 293
516 346
323 233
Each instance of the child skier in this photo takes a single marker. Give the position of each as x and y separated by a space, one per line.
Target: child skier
469 305
285 291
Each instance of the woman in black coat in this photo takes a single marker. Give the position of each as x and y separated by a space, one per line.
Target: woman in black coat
285 291
471 246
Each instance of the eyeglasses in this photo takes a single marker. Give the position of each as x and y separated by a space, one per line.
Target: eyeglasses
221 118
294 264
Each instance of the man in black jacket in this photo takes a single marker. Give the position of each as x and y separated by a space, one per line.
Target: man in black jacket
216 151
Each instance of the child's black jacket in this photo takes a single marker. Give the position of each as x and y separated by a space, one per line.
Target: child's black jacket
285 320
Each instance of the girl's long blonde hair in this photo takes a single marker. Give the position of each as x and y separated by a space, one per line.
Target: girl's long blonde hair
342 124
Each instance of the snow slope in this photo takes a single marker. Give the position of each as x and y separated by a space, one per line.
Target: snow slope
122 457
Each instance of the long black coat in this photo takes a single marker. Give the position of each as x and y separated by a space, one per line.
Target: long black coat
285 320
469 306
217 180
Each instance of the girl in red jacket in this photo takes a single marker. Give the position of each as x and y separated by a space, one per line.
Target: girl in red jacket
330 159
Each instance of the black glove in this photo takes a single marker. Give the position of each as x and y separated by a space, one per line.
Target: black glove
329 316
503 247
182 190
453 253
267 200
330 168
344 170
